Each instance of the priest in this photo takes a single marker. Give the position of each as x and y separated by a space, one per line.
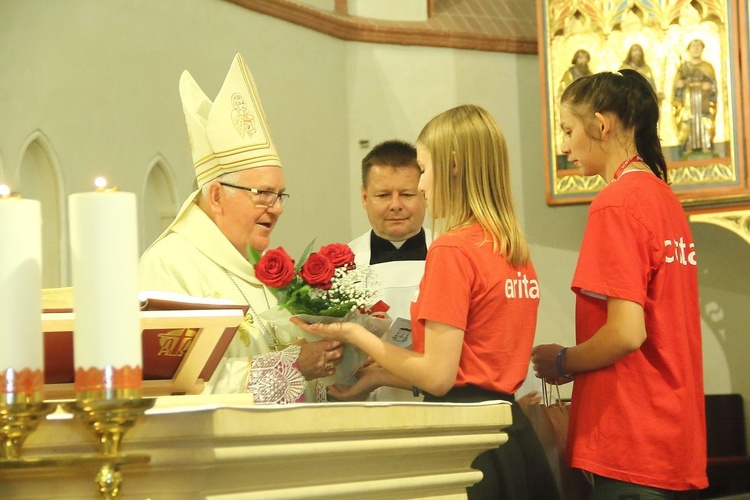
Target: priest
396 246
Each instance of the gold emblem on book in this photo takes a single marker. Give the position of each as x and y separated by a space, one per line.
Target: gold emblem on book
175 342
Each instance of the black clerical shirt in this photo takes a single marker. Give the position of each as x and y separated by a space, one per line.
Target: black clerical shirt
382 250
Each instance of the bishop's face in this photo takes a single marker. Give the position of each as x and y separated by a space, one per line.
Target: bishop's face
243 220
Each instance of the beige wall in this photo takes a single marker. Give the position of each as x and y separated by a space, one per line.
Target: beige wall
99 81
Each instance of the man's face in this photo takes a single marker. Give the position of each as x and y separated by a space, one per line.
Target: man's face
393 203
242 220
695 49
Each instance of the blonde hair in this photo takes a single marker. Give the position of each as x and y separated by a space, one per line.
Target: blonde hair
472 178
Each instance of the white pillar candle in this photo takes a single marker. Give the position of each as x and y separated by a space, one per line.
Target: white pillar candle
104 248
21 346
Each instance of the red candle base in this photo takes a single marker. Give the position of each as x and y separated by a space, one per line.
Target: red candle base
108 382
22 386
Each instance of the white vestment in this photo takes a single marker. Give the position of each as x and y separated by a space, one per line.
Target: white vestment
196 259
399 281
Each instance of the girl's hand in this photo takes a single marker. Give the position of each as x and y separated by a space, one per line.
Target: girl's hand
333 331
369 380
544 359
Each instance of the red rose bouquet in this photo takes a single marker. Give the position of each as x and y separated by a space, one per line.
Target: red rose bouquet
323 283
324 286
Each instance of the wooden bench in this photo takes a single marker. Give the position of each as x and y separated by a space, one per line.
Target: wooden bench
728 462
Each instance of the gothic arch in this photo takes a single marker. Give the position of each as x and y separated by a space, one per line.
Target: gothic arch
160 203
724 286
39 177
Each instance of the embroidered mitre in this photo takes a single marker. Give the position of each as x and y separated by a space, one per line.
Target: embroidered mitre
231 133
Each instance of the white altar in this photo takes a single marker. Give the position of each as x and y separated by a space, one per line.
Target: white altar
222 447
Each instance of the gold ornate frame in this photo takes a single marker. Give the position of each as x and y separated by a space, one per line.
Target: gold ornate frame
607 30
744 29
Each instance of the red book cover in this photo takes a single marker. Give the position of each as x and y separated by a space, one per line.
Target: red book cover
164 349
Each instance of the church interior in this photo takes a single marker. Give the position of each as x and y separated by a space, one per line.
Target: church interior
90 90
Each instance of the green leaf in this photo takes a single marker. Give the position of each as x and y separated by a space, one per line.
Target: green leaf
253 256
338 310
304 257
281 294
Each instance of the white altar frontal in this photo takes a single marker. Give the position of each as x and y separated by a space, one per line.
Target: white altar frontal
223 447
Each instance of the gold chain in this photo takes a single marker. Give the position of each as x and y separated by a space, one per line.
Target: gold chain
272 338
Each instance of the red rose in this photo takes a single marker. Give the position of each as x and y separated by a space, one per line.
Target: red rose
338 253
275 268
317 271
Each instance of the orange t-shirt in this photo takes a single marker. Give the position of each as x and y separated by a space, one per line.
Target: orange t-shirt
468 286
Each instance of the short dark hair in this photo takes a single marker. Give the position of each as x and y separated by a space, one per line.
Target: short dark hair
392 153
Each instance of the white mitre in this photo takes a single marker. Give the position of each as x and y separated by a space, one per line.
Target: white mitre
227 135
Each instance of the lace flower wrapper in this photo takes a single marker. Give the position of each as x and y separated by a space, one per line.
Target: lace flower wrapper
353 357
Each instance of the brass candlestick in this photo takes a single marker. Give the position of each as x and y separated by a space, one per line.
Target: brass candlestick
22 407
18 419
109 420
108 401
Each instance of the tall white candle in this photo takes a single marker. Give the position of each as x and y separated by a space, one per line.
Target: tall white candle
104 248
21 345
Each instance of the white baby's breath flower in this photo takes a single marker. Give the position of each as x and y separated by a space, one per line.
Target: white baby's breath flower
359 285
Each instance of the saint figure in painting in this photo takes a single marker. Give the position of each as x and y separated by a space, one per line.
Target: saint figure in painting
694 102
636 60
579 67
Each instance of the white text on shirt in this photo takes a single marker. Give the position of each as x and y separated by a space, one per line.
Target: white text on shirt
521 288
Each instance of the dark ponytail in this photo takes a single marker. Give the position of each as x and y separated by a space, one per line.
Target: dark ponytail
631 98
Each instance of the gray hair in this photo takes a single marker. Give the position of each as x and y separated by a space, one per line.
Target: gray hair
231 178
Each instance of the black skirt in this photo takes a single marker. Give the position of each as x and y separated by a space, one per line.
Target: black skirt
516 470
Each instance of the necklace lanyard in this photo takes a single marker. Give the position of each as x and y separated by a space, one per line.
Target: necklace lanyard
271 337
624 165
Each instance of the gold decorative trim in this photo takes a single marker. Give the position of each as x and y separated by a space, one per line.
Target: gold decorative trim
737 221
703 175
578 184
394 33
692 175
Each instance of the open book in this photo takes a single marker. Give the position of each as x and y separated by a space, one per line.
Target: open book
184 339
157 300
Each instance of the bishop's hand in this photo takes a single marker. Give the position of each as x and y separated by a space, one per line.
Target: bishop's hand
319 359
